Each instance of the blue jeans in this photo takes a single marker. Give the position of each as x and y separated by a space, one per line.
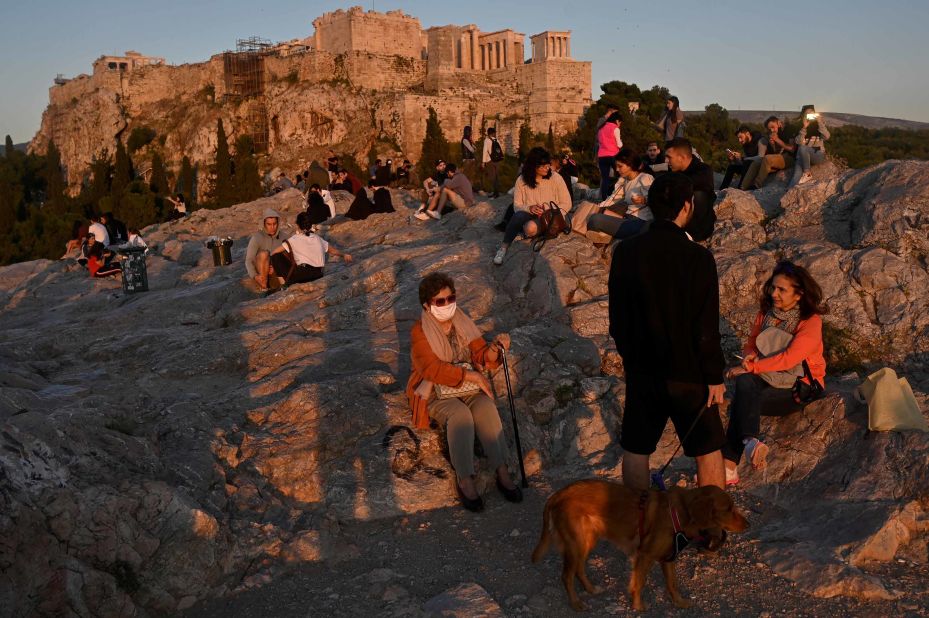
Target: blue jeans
806 158
617 227
753 398
515 227
606 183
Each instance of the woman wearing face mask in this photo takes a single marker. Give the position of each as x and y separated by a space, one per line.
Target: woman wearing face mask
787 334
446 346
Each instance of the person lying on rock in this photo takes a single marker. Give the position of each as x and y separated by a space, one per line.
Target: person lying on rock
446 346
625 212
261 245
536 187
301 257
772 380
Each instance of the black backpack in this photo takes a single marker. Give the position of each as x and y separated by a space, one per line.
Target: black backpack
496 152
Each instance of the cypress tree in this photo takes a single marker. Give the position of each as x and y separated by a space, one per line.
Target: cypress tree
550 140
435 146
185 181
122 173
247 179
222 170
9 150
101 169
54 180
525 140
158 181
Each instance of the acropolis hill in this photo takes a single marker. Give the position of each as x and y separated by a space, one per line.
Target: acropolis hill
361 80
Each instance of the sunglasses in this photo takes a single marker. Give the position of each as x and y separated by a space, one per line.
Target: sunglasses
445 300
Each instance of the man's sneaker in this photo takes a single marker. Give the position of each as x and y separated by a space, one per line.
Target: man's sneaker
807 177
435 214
498 259
422 216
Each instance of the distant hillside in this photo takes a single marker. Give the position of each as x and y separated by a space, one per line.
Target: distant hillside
836 119
19 147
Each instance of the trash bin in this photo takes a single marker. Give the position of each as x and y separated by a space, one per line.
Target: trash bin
135 274
222 250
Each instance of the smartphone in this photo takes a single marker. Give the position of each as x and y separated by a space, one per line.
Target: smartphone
811 116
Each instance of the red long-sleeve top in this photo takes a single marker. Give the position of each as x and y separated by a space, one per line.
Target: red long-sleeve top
807 345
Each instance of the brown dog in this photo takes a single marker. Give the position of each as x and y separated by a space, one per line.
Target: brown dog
638 522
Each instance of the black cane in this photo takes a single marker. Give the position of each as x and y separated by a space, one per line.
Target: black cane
509 394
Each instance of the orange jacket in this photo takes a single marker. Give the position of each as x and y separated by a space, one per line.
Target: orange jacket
807 345
427 366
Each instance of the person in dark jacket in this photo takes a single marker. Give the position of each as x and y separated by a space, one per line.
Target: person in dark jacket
664 318
680 157
116 228
741 162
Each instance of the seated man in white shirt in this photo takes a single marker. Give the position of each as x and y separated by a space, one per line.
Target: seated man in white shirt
301 257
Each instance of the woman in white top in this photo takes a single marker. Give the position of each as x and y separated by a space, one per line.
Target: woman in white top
301 257
625 212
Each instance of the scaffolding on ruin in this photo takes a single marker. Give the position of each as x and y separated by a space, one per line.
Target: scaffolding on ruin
244 77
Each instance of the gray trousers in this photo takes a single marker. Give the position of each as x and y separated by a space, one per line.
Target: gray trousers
461 418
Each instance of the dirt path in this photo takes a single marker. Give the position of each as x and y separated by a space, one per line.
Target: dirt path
391 567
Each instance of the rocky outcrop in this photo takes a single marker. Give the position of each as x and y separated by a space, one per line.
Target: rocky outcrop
178 444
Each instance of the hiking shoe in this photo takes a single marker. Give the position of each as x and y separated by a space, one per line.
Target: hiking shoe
435 214
807 177
501 253
422 216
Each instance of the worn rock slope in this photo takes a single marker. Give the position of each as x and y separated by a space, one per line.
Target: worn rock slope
162 448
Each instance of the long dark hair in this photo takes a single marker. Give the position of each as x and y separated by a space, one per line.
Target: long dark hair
812 129
630 158
811 295
467 132
536 157
676 102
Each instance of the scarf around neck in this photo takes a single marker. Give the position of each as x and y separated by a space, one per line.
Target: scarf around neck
787 321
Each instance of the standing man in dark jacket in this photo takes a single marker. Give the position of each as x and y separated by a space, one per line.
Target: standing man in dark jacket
664 317
680 157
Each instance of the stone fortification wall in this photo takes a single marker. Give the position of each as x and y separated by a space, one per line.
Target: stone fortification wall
559 92
393 33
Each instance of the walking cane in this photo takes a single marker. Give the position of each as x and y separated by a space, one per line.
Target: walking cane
509 394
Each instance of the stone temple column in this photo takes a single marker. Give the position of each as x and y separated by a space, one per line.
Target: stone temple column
568 47
474 51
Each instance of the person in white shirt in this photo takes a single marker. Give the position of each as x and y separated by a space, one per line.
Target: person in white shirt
301 257
99 230
624 212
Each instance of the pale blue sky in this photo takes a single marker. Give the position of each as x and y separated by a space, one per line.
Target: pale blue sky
852 56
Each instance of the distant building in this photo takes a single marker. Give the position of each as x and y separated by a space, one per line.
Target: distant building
130 62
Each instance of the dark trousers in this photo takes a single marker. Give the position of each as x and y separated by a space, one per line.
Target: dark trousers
515 227
753 398
606 183
490 174
303 273
735 169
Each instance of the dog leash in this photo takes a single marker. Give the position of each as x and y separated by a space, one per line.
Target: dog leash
658 477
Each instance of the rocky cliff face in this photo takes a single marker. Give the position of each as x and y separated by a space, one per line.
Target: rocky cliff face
184 443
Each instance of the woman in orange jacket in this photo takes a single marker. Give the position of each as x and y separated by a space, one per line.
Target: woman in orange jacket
787 334
446 347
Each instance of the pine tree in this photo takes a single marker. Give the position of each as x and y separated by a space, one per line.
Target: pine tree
185 181
247 179
11 194
435 146
101 169
55 200
158 181
222 170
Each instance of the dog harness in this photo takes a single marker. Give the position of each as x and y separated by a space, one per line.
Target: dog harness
680 541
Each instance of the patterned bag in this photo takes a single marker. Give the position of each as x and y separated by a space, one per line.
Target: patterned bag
466 388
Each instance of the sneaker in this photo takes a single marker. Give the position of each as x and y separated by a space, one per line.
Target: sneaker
756 452
732 476
807 177
501 253
422 216
435 214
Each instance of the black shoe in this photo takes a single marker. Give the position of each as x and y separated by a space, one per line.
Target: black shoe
475 505
512 495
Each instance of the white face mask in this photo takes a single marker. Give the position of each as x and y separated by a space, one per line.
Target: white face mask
443 314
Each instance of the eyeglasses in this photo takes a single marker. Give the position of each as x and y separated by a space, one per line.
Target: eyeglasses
444 300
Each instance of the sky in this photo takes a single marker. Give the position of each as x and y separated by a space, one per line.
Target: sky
851 56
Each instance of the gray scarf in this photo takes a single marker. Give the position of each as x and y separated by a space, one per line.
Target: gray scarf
787 321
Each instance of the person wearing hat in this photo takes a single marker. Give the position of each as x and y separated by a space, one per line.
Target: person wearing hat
261 245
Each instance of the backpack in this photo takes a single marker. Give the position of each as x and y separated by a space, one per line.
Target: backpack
552 222
496 152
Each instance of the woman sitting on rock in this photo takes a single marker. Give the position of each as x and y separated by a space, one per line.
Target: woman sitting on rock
624 213
446 346
811 145
301 257
535 189
783 357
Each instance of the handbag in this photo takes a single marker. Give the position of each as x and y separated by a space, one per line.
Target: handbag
465 389
804 393
773 341
551 223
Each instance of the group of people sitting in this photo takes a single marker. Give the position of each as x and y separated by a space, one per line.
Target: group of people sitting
763 154
93 243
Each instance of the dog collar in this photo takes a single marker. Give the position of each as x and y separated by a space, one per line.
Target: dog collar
681 540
